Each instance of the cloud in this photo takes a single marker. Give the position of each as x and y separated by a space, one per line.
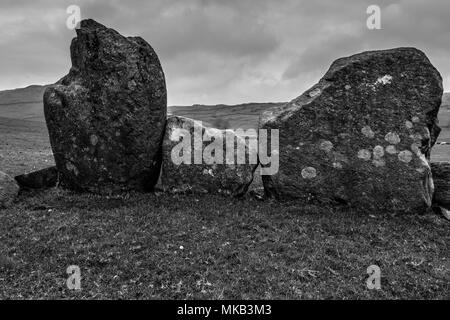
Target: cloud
216 51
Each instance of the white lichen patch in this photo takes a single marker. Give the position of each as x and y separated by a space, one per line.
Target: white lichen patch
210 172
415 148
364 154
420 170
417 137
94 140
391 149
337 165
71 167
309 173
379 163
392 138
326 146
387 79
176 134
367 132
339 157
408 124
314 92
405 156
378 152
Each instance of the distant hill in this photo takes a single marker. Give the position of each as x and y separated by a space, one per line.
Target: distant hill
26 104
22 118
23 104
446 99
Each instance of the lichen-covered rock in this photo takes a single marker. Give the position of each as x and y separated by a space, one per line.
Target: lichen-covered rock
198 159
8 190
106 117
41 179
361 136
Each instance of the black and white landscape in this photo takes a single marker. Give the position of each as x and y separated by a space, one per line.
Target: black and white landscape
224 150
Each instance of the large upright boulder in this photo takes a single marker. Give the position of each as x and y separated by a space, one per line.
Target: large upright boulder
106 117
199 159
361 136
8 190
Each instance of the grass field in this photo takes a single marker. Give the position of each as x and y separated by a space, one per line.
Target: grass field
189 247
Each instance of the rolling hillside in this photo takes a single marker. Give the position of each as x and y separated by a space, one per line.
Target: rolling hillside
25 107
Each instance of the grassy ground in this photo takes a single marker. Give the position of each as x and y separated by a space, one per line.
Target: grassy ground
161 246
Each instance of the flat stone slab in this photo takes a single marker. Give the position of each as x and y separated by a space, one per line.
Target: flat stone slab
198 174
41 179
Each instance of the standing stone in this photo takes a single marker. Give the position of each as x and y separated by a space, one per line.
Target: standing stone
361 136
198 159
8 190
106 117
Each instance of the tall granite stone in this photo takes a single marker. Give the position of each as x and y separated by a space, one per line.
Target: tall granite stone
106 117
361 136
199 159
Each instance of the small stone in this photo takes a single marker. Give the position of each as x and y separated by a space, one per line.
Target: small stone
42 179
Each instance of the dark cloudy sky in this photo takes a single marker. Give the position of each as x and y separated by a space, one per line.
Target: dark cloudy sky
224 51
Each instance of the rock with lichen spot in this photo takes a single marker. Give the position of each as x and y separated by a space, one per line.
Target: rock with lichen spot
8 190
199 159
377 114
106 117
41 179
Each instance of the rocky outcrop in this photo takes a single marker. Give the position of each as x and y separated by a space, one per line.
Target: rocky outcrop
198 159
8 190
362 136
106 117
41 179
